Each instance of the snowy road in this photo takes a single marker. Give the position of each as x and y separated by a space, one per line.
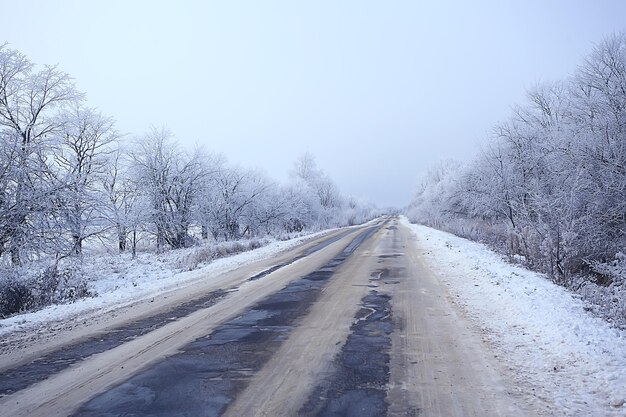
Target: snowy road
352 323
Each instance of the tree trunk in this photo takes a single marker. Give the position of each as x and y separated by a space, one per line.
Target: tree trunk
160 239
77 249
134 243
121 240
15 256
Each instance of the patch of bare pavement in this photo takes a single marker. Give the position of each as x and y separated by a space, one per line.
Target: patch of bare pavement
352 325
359 384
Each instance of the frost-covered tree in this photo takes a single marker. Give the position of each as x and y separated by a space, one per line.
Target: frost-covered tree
550 186
267 211
125 206
171 181
301 207
83 156
30 100
233 201
599 114
306 173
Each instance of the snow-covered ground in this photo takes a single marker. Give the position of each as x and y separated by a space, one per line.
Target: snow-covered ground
573 362
118 280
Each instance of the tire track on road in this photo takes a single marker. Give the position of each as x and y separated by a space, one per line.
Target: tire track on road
220 365
359 384
22 376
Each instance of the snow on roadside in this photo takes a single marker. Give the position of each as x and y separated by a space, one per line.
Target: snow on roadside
573 362
118 280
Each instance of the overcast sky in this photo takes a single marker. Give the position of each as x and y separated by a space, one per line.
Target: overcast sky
376 90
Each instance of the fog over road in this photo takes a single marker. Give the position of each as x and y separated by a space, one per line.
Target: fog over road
350 323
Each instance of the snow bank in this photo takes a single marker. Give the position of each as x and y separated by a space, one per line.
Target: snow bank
573 362
118 280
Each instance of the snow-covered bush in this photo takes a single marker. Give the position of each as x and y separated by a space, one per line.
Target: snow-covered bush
38 285
15 297
208 252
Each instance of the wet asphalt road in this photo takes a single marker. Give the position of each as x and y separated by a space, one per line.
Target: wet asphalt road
359 384
206 376
18 378
351 326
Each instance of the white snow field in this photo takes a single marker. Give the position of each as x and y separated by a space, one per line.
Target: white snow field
572 362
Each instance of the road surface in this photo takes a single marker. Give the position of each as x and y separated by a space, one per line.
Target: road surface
349 324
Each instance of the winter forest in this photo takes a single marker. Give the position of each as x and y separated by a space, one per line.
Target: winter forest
549 187
73 188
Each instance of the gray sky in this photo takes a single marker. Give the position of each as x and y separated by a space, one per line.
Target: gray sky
376 90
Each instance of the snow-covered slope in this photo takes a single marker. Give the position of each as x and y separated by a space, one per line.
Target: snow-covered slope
573 362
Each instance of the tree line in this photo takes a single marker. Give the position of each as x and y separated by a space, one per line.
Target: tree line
549 188
68 177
